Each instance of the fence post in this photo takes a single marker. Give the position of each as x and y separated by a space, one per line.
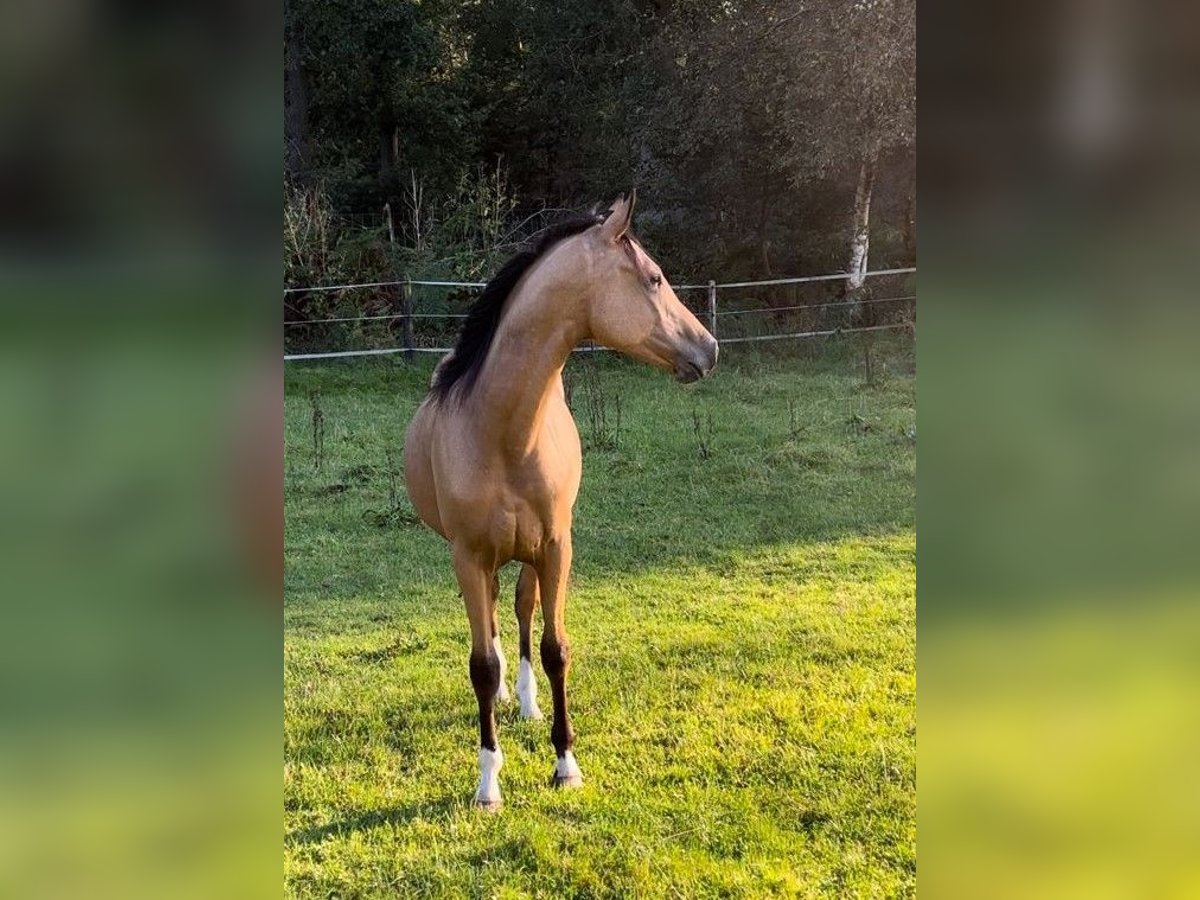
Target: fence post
712 307
406 307
405 289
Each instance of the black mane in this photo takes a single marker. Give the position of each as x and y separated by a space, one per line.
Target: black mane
457 373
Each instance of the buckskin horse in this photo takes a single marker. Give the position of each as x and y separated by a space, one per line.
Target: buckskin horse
492 458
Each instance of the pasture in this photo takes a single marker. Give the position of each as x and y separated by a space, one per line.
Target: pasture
742 616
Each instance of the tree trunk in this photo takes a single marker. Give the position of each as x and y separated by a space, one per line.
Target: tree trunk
860 236
295 100
764 212
388 146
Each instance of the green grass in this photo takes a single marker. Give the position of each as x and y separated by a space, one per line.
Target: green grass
743 629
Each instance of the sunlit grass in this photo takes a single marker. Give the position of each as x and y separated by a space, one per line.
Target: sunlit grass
743 631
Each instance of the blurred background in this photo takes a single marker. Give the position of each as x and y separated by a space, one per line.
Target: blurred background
140 468
1060 473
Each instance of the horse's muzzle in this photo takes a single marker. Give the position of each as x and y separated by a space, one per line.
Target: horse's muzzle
697 361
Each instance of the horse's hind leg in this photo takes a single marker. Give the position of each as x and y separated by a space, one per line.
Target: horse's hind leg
527 602
476 583
556 658
502 695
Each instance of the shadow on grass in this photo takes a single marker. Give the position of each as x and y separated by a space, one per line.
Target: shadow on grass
369 820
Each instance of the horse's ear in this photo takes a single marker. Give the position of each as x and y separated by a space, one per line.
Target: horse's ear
619 217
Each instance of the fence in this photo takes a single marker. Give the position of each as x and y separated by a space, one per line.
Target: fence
709 309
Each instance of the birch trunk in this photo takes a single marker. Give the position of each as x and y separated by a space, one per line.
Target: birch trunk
860 238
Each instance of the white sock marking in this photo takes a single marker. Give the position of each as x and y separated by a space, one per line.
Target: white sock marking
502 694
566 767
527 691
490 762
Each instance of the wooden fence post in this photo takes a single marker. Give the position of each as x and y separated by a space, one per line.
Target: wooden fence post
406 307
712 307
405 289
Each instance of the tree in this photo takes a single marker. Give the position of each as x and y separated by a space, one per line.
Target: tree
295 98
787 95
856 86
383 94
760 133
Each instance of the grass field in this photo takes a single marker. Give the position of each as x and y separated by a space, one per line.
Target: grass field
743 628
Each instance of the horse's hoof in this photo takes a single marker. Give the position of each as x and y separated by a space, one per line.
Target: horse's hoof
532 714
566 772
489 806
502 694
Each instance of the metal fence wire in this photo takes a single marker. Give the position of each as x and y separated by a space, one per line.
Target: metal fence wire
766 310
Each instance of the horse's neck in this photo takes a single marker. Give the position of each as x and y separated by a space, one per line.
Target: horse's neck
523 371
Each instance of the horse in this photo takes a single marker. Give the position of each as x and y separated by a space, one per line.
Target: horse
492 457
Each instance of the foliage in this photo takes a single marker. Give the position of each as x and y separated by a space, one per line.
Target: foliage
743 123
744 640
309 238
603 405
382 92
462 235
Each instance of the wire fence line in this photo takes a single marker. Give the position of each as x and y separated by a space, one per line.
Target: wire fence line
376 318
287 357
713 313
771 309
808 334
389 350
721 312
804 279
376 284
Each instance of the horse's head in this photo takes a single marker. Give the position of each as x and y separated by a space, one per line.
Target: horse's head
634 310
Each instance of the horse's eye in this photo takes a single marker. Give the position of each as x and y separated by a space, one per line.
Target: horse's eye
656 280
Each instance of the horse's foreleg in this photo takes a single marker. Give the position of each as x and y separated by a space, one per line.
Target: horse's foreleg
556 657
502 695
526 603
475 581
